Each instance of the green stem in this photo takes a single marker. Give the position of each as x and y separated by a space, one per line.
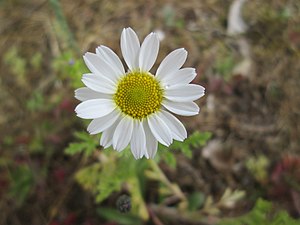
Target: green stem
162 177
61 19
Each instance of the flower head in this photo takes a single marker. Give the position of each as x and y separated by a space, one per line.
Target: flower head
133 107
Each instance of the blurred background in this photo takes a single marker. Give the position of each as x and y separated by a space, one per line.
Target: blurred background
240 164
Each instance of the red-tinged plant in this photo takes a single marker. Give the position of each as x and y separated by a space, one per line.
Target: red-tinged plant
285 179
286 174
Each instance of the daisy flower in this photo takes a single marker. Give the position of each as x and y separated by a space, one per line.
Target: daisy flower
133 108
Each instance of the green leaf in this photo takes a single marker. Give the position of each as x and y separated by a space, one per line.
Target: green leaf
21 183
196 200
108 176
16 64
35 102
36 60
138 204
88 177
195 140
110 179
169 158
258 166
87 146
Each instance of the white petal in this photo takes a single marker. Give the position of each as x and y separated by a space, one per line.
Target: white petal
159 129
94 108
148 52
173 62
182 76
177 129
138 141
84 93
100 124
184 93
123 134
100 67
107 135
111 58
130 47
182 108
151 142
99 83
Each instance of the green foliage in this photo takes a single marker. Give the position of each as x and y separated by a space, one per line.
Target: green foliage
87 144
88 177
195 140
36 60
262 214
258 167
196 200
224 66
21 183
116 170
68 66
16 63
35 102
135 188
168 157
108 176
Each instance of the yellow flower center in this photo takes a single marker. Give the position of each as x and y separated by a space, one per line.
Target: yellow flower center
138 94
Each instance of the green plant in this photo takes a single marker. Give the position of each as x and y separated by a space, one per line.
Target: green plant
16 63
21 183
195 140
69 66
224 65
114 172
87 144
258 167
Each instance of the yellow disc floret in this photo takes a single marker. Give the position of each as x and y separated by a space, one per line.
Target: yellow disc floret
138 94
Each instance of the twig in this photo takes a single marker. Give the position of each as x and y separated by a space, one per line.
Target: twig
172 214
153 216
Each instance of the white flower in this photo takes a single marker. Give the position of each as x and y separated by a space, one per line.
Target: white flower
132 107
